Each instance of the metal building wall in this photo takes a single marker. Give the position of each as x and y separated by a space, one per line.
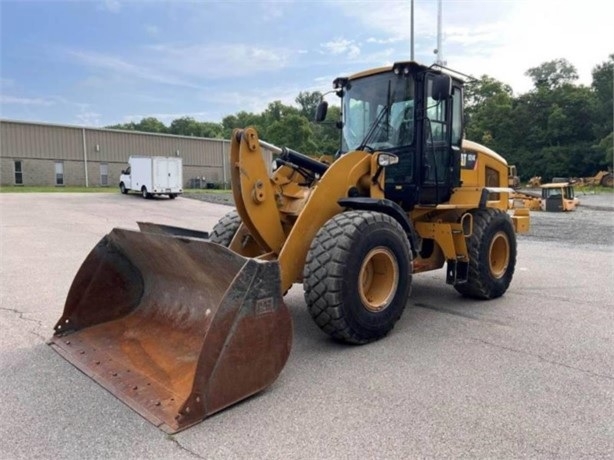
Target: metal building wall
82 150
40 141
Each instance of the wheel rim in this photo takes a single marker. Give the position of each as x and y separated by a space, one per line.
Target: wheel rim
499 255
378 279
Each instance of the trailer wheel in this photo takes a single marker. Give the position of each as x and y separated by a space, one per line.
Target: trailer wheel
224 231
122 188
492 253
357 276
145 193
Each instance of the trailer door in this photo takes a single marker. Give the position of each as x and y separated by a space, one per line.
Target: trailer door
161 174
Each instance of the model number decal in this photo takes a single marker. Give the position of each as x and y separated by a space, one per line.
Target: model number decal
264 306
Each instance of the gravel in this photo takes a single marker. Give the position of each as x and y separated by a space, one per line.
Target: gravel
589 225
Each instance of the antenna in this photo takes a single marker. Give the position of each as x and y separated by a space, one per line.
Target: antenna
438 51
412 30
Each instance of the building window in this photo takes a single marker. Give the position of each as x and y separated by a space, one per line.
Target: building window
104 174
59 173
18 173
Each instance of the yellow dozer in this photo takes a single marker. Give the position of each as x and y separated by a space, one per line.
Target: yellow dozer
179 324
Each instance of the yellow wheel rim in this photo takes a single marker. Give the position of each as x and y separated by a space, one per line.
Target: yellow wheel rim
378 279
499 255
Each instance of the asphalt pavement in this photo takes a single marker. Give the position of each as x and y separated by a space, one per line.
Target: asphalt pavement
528 375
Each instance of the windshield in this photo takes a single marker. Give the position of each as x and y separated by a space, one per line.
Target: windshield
363 103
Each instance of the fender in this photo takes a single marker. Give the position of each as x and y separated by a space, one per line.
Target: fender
384 206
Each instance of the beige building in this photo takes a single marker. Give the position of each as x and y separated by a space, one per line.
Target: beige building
38 154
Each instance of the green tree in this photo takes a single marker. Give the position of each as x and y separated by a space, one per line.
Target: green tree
276 111
295 132
603 86
488 107
552 74
151 125
131 126
243 120
477 92
308 103
327 134
147 125
188 126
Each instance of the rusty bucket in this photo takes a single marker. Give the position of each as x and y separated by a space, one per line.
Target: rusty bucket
175 327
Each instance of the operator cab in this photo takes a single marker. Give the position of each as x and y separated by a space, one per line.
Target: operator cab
414 112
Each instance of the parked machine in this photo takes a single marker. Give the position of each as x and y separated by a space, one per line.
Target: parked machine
557 197
180 327
151 176
513 180
554 197
602 178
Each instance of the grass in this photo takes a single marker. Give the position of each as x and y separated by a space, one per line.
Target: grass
593 190
53 189
71 189
211 191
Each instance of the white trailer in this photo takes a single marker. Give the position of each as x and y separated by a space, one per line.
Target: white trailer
151 176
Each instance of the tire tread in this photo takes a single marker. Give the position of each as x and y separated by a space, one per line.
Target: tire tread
324 271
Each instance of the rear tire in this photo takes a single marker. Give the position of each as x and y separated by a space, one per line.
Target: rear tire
357 276
224 231
122 188
607 180
144 193
172 196
492 254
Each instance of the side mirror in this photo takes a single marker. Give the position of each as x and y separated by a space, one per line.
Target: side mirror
123 171
321 111
442 87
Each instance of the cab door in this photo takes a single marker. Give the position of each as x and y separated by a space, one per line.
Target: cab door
441 143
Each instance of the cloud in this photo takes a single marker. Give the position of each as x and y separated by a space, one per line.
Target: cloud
121 67
223 60
4 99
7 83
500 39
269 11
113 6
88 118
391 23
152 30
384 41
477 35
341 46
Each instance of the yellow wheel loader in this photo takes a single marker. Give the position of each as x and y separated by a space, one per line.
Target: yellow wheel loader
179 324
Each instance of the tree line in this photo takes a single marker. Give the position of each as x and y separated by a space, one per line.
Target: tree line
557 129
279 124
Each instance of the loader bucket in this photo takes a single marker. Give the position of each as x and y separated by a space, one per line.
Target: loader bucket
177 328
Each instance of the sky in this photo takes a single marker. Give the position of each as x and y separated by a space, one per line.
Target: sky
102 62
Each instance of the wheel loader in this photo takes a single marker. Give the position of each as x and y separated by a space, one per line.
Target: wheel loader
179 324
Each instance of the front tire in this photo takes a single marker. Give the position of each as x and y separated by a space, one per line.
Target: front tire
492 254
357 276
122 188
